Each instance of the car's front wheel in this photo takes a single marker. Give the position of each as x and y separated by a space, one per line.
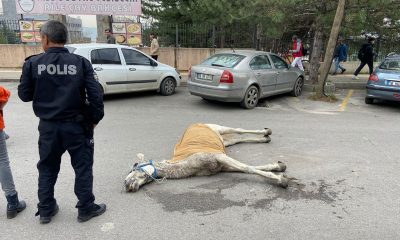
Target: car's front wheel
298 87
251 97
369 100
167 86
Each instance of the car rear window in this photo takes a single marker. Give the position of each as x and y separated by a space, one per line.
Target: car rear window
224 60
390 64
105 56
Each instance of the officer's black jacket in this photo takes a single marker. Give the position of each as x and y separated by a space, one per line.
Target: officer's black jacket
59 83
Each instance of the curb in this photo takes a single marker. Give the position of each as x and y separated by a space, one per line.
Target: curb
9 80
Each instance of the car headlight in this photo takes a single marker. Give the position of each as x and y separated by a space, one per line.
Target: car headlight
176 70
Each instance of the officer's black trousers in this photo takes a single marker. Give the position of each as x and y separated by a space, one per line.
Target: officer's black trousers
55 138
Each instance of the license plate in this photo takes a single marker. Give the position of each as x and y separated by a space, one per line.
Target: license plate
204 76
393 83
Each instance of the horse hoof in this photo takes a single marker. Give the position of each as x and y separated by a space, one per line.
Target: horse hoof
282 166
283 183
268 131
267 139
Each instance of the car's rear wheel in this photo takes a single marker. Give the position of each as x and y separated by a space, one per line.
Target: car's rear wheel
251 97
167 86
369 100
298 87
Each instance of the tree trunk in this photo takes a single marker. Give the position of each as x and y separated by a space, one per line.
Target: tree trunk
315 57
331 47
103 23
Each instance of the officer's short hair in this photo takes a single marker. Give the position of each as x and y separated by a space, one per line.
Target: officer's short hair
55 31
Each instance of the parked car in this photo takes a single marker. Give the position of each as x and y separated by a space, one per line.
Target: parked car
384 82
244 76
125 69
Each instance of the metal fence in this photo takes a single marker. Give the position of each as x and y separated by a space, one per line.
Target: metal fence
235 35
9 32
382 47
202 35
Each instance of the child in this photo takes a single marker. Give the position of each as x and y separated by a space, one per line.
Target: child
14 206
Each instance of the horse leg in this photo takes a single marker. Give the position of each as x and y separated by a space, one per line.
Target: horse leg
234 138
230 164
226 130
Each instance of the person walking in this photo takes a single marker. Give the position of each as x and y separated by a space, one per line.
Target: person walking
68 100
154 47
297 53
366 56
110 36
340 56
14 205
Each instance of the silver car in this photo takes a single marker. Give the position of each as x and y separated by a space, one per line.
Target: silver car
245 77
126 69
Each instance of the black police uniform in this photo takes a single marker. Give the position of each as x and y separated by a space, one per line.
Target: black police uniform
68 100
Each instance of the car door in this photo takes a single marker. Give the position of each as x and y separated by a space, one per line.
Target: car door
141 73
285 78
108 66
264 73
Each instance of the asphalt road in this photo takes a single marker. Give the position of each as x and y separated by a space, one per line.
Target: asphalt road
345 157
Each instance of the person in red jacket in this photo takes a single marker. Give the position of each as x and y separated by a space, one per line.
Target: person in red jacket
14 206
297 52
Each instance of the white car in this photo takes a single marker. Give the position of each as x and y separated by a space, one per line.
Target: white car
125 69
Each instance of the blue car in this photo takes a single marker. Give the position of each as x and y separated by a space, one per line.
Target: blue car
384 83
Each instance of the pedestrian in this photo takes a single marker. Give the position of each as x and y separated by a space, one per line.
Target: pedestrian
110 36
297 53
14 206
154 47
68 101
340 56
366 56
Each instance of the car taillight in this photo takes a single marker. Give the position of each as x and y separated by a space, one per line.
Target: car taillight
190 73
227 77
374 78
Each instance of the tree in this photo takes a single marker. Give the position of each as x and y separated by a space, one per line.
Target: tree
331 47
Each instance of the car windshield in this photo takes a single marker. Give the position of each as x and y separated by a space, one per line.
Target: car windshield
224 60
390 64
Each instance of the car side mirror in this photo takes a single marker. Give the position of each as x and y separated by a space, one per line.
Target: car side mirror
153 63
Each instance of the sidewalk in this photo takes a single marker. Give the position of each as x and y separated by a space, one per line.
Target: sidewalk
340 81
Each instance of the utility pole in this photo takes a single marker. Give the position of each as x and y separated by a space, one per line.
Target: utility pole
331 47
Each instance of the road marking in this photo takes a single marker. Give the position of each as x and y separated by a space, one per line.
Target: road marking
346 101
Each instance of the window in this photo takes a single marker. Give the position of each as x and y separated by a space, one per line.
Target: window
260 63
224 60
390 64
133 57
105 56
278 62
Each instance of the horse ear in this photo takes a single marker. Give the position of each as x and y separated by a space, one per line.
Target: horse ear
140 156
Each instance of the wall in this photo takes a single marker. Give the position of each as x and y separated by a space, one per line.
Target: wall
12 56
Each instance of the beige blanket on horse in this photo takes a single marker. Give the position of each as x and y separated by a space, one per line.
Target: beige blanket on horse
197 138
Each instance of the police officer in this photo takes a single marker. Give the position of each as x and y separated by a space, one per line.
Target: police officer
69 103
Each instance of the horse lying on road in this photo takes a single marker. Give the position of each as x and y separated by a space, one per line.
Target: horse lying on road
201 152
